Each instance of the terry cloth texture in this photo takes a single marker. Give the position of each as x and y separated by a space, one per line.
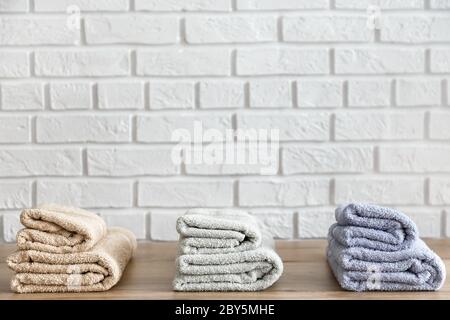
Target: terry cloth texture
97 269
375 248
252 270
65 249
57 229
373 227
217 231
245 261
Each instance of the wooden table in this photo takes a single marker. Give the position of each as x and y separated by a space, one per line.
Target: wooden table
306 276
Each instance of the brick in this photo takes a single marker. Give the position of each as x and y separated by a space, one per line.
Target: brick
286 61
384 191
286 193
172 95
299 126
319 93
221 94
179 193
140 29
14 64
83 5
382 4
314 223
415 159
439 128
446 91
92 194
184 62
163 225
245 158
281 4
351 126
36 30
182 5
14 129
14 6
415 29
40 162
231 29
439 4
130 161
101 62
135 221
440 191
266 169
22 96
379 61
11 226
326 159
15 195
83 128
309 28
428 221
440 60
276 223
418 92
270 93
446 224
70 96
369 93
158 128
121 95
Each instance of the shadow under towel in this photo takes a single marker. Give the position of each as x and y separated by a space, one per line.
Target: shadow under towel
58 229
241 271
217 231
97 269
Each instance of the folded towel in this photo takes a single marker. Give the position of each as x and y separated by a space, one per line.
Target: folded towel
57 229
240 271
218 231
376 248
374 227
224 250
97 269
360 269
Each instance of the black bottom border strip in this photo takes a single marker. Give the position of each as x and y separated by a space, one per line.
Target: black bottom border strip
222 309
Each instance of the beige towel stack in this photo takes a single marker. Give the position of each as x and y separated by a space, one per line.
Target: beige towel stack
66 249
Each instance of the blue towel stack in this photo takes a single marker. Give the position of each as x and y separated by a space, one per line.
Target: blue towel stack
376 248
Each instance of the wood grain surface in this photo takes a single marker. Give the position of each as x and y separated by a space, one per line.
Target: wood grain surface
307 276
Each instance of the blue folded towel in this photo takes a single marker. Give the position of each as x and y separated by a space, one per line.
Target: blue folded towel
361 252
374 227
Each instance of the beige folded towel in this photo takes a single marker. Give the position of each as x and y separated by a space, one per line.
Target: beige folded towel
97 269
58 229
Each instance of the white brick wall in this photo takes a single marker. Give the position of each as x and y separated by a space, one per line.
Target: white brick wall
369 93
22 96
281 61
380 60
228 29
14 64
87 114
79 62
70 95
141 29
